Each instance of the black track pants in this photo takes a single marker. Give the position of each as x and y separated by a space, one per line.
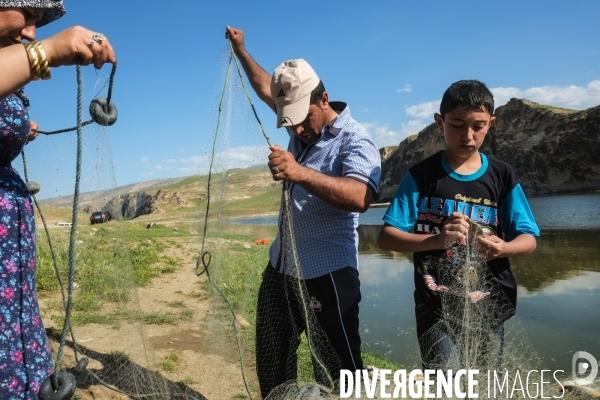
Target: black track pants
333 299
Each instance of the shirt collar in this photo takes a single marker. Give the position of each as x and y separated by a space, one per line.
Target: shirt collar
338 123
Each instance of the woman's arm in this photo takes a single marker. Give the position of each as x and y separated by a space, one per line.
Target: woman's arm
71 46
14 69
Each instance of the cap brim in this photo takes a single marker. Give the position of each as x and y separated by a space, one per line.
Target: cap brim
293 114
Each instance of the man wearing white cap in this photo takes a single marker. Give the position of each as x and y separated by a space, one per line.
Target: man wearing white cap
331 169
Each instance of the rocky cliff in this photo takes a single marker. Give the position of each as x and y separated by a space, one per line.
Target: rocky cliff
137 204
554 150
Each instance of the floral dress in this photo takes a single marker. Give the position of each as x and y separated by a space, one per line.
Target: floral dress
25 358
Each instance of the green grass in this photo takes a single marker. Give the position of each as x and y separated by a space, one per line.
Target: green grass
239 279
188 380
305 367
170 362
107 268
115 258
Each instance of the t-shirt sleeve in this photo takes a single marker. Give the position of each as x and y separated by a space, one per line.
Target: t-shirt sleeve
362 162
516 216
404 208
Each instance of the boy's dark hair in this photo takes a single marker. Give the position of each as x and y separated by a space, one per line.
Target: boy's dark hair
316 94
471 94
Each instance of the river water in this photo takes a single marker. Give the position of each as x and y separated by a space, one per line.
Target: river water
558 292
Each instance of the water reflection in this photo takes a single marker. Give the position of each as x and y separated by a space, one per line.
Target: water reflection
559 284
558 305
560 255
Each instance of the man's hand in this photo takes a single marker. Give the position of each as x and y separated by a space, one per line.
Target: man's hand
283 165
236 36
33 132
260 80
343 193
457 227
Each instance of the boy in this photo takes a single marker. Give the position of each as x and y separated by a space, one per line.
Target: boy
433 206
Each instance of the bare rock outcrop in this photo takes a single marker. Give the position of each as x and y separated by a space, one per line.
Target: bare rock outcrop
554 150
138 204
170 197
130 205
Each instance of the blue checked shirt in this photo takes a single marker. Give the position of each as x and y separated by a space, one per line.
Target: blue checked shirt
325 237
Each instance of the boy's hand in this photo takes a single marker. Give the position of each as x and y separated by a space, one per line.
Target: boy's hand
495 246
457 227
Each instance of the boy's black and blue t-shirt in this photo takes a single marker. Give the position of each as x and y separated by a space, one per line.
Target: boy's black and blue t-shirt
431 191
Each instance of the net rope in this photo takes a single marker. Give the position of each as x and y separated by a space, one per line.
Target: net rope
469 294
477 329
315 337
68 299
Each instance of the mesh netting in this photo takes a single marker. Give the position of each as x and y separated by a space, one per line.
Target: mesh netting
477 329
165 290
164 283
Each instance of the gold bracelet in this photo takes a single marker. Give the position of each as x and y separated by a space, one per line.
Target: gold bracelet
44 66
34 61
37 61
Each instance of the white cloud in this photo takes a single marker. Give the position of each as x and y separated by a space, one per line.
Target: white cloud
170 160
238 157
381 133
384 136
367 109
577 97
407 88
145 160
186 169
147 173
424 110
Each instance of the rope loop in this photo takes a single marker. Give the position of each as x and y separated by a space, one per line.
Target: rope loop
204 259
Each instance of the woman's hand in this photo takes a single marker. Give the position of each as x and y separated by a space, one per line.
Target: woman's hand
78 45
33 132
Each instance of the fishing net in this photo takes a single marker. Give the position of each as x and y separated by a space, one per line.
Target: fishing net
477 331
159 300
156 298
88 276
234 253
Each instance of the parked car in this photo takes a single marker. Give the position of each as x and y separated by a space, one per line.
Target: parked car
98 217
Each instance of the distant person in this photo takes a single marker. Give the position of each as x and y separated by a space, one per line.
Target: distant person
434 202
25 359
332 170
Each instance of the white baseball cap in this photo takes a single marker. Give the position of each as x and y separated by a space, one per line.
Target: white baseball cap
291 85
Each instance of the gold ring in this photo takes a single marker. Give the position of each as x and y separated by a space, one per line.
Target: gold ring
274 170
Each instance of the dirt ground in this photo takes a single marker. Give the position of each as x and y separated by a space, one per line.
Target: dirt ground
207 363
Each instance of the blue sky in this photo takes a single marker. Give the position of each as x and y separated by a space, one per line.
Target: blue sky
390 60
